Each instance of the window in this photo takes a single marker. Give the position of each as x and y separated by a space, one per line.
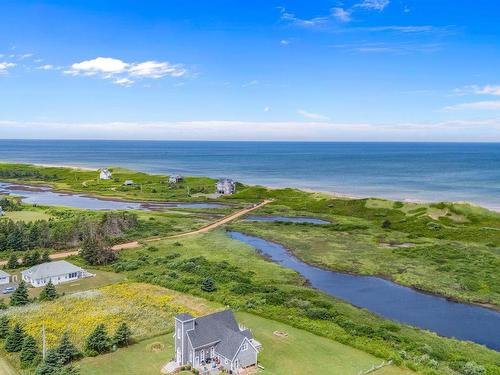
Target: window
244 347
179 333
202 354
226 361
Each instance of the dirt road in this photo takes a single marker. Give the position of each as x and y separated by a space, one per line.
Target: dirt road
135 244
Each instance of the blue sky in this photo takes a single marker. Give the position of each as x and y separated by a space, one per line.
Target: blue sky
367 70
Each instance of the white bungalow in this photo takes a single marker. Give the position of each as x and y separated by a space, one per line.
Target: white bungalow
226 186
105 174
174 179
4 277
128 183
58 272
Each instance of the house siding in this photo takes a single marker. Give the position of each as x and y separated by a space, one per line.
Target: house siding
57 279
246 357
4 280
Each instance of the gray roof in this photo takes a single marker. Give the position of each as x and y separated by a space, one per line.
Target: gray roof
184 317
4 274
220 328
60 267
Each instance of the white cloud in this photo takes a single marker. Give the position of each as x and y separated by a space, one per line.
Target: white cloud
4 67
453 130
25 56
284 42
312 116
312 22
267 109
48 67
250 83
341 14
479 90
488 105
122 72
373 4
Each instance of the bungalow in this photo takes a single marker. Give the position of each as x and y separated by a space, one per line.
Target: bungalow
128 183
4 277
105 174
174 179
214 340
57 272
226 186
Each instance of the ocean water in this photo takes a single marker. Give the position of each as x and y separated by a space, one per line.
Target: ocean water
404 171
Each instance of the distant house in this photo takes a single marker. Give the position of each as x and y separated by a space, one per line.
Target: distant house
226 186
128 183
4 277
174 179
58 272
105 174
214 340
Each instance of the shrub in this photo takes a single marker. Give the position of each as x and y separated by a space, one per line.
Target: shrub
98 342
20 295
49 292
208 285
14 342
29 351
122 335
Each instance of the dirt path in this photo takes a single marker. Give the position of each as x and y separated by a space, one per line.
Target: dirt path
135 244
6 368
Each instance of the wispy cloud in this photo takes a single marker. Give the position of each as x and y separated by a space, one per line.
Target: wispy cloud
124 73
311 115
253 82
341 14
488 105
389 47
49 67
373 4
285 42
5 66
479 90
311 22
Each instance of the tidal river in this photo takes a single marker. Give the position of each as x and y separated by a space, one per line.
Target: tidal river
390 300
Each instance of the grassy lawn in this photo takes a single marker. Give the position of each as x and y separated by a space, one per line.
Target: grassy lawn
102 278
299 353
27 215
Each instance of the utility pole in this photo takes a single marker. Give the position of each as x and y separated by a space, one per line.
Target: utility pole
44 346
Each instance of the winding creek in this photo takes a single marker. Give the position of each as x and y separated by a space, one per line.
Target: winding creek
390 300
46 196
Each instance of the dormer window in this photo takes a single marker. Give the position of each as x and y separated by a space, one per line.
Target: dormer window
244 347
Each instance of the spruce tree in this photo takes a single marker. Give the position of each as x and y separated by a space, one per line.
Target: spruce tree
4 326
45 257
122 335
49 293
50 365
208 285
98 341
12 262
29 351
14 342
20 295
66 351
95 251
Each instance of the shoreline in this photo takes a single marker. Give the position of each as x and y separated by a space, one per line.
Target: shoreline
333 194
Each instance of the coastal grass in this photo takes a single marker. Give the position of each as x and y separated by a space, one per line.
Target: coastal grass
299 353
246 281
27 215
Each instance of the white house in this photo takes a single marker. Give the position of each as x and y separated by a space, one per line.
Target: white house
128 183
174 179
58 272
226 186
105 174
4 277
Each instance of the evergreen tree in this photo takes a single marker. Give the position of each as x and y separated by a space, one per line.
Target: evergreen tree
122 335
98 341
95 252
14 342
50 365
12 262
66 350
45 257
208 285
49 293
15 239
386 224
20 295
68 371
4 326
29 351
3 306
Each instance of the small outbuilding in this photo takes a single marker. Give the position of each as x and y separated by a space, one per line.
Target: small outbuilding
4 277
58 272
226 186
105 174
128 183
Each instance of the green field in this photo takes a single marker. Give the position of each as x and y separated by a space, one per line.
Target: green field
247 281
300 353
27 216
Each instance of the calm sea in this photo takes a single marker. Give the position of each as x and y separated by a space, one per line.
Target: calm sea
404 171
